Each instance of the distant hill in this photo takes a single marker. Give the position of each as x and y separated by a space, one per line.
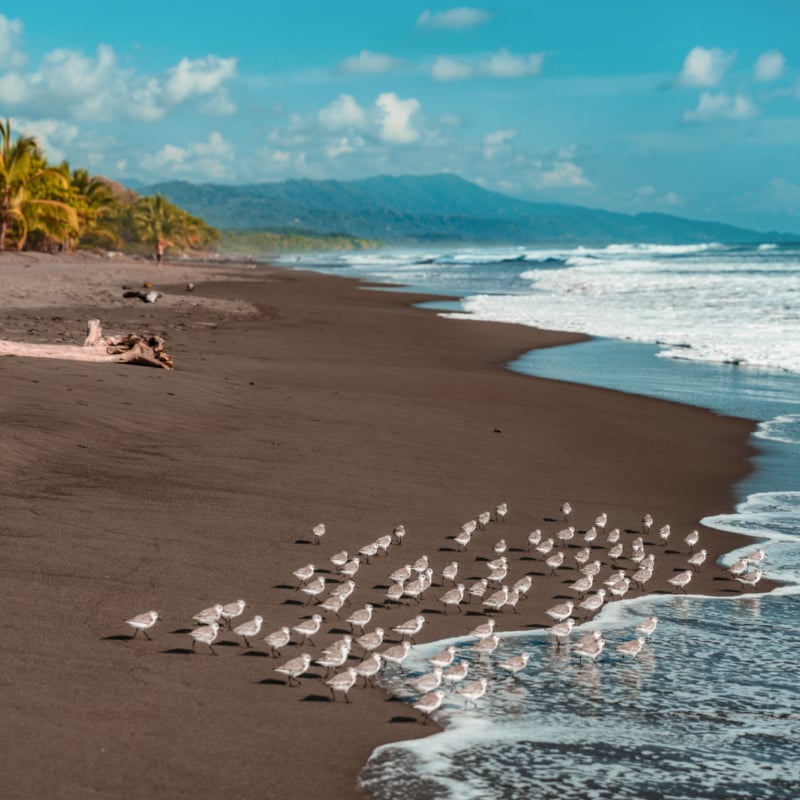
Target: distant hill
432 208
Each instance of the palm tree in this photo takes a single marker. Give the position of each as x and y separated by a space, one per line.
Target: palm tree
29 193
97 209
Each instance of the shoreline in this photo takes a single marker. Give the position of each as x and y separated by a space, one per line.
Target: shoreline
128 489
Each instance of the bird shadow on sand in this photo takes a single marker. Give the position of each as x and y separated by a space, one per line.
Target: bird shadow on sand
179 651
316 698
292 602
303 541
402 718
118 637
449 550
256 654
549 519
285 586
271 682
341 631
182 630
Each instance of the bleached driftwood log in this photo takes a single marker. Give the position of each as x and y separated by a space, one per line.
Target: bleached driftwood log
130 349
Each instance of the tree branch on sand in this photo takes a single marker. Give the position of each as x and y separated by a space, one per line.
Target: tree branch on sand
131 349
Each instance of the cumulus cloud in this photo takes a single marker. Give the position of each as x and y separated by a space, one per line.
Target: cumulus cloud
343 113
190 78
52 135
497 142
769 66
456 19
209 160
10 31
396 118
705 68
721 106
368 63
501 64
560 175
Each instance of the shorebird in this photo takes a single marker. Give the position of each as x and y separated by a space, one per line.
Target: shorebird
739 567
314 588
590 646
278 639
344 590
339 559
247 630
383 543
430 702
449 572
620 588
143 622
512 599
333 658
750 578
398 653
641 576
616 551
632 648
208 615
444 658
350 568
463 539
487 645
360 618
534 538
232 610
371 641
647 523
514 664
647 627
484 629
428 682
592 568
594 602
318 531
614 577
369 667
698 558
613 536
368 551
562 630
420 565
453 597
342 682
601 521
681 579
295 667
478 589
304 573
333 604
566 510
414 589
401 574
560 612
565 535
500 547
483 519
582 585
544 547
410 627
496 600
692 539
756 557
498 575
308 628
473 691
498 563
394 594
500 512
523 585
591 535
663 533
582 556
343 645
205 634
399 533
456 673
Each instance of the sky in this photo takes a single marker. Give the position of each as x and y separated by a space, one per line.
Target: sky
690 107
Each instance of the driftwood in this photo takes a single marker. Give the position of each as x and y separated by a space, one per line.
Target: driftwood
131 349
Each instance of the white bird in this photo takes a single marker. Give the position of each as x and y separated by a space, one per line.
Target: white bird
318 532
692 539
632 648
342 682
544 547
681 579
473 691
208 615
430 702
449 572
361 617
369 667
383 543
560 612
497 563
500 512
351 567
205 634
483 519
698 558
512 599
295 667
478 589
615 551
456 673
420 565
498 575
401 574
590 536
487 645
410 627
339 559
463 539
594 602
278 639
592 568
756 557
750 578
232 610
582 556
308 628
333 658
663 533
647 523
453 597
368 551
484 629
565 534
247 630
444 658
590 647
333 604
496 600
613 536
399 533
739 567
143 622
523 585
647 626
500 547
562 630
314 588
344 590
428 682
641 576
394 594
582 585
620 588
371 641
470 527
514 664
534 538
304 573
614 577
601 521
343 645
397 654
566 510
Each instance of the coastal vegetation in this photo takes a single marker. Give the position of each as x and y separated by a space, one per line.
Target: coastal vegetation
282 240
50 207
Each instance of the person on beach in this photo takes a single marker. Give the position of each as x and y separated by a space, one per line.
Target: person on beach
160 245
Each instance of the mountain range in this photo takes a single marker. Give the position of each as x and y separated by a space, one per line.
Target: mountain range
432 208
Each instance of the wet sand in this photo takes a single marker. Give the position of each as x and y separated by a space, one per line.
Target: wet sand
296 399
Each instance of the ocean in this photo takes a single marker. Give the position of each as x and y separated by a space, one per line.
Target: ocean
711 708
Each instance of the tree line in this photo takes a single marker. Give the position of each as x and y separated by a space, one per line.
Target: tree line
52 208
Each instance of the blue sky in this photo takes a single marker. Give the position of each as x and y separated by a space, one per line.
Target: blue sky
687 107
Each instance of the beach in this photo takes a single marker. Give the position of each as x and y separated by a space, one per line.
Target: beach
297 398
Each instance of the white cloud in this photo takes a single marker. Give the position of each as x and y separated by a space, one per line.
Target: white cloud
769 66
342 114
559 175
505 65
52 135
368 63
209 160
496 143
344 146
10 31
191 78
395 118
450 69
721 106
705 68
456 19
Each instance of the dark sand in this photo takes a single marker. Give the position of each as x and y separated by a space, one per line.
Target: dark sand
126 488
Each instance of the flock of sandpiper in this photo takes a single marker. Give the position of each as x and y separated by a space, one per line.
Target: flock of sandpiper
413 580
